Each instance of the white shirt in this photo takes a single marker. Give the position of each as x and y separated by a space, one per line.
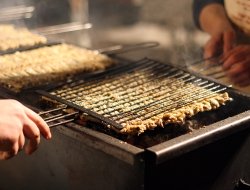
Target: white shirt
239 13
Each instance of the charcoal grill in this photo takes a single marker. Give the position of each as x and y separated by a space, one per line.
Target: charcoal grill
83 155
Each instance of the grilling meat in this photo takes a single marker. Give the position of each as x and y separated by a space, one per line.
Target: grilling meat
140 101
176 116
45 64
13 38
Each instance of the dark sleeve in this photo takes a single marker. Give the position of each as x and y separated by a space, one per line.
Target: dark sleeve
198 5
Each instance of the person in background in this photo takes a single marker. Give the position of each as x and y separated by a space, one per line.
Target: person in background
18 122
227 23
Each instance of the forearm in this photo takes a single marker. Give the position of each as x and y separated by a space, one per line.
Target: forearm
213 19
199 5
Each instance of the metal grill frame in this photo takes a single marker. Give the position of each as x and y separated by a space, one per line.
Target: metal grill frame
116 71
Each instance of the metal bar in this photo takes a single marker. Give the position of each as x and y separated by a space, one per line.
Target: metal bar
118 49
60 116
52 110
47 119
62 28
61 123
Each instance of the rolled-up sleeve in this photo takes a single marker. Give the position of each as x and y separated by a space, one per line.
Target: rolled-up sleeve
198 5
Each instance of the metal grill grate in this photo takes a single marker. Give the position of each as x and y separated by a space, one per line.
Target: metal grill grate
139 90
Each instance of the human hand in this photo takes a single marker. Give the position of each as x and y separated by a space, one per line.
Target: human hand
220 42
236 63
16 123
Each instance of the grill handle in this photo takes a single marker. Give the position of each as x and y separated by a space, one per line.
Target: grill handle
119 49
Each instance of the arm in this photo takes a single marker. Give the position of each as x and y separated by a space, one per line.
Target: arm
236 63
214 21
198 6
211 17
16 123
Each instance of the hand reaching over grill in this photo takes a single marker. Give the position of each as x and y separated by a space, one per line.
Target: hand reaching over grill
221 41
18 122
235 58
236 63
213 20
226 25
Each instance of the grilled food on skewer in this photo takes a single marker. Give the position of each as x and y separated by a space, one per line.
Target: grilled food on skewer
35 67
176 116
12 38
143 104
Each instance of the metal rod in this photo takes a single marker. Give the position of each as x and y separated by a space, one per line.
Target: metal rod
47 119
62 28
62 117
126 48
52 110
61 123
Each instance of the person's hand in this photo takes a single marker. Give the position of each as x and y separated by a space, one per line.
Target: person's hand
236 63
18 122
214 20
220 42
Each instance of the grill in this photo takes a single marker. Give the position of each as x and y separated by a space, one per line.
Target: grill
197 149
139 91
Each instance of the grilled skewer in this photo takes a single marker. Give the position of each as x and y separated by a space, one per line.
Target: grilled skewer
152 95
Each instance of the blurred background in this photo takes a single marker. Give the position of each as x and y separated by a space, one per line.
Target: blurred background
168 22
103 23
99 24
